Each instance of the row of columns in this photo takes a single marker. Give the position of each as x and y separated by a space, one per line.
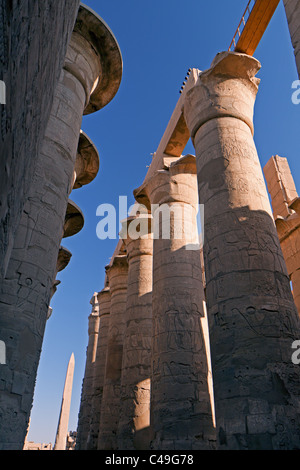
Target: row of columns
156 389
252 318
88 81
181 412
134 423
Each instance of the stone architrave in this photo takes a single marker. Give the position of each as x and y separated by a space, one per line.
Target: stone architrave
62 429
252 316
117 274
88 81
99 368
286 211
134 430
181 413
85 412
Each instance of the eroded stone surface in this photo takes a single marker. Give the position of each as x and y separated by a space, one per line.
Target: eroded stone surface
26 291
85 412
99 368
252 316
34 38
180 404
286 211
110 408
134 430
292 8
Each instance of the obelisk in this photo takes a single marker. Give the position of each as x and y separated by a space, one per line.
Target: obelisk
62 429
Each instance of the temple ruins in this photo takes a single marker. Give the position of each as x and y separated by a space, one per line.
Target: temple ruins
216 370
66 160
189 344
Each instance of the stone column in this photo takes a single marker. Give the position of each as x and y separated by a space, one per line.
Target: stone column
88 81
134 424
85 171
295 278
180 403
286 211
99 368
117 275
34 38
85 412
252 316
292 9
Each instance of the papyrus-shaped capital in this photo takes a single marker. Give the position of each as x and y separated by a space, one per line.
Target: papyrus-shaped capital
227 89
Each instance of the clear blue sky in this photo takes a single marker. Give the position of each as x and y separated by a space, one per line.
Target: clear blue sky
159 41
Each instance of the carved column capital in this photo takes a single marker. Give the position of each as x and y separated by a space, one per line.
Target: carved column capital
87 162
104 298
173 184
93 40
227 89
117 273
137 235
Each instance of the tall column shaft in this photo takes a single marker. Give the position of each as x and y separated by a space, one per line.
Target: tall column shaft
26 290
85 412
99 368
281 186
286 211
180 404
110 408
34 38
252 316
134 424
295 278
292 8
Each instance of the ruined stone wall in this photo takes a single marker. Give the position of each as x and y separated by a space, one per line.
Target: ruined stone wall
33 40
292 8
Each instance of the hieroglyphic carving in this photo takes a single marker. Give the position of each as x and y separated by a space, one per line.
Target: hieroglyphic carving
179 360
247 286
